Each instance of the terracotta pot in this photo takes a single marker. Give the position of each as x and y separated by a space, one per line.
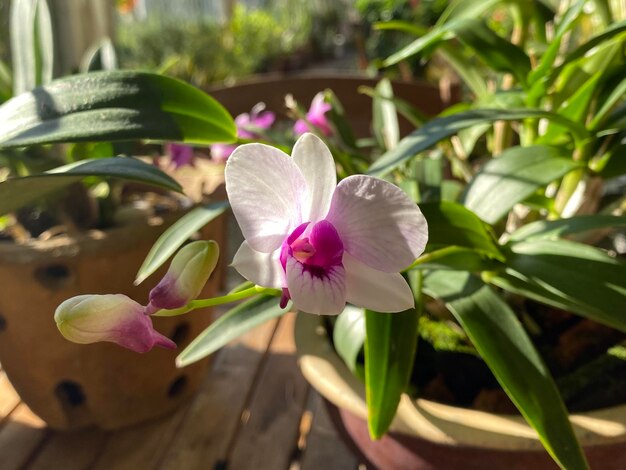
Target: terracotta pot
429 435
271 89
71 385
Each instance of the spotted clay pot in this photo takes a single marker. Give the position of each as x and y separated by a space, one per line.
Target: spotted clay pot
71 385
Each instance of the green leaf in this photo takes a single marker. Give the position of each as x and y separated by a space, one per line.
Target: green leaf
177 234
443 127
617 94
512 177
424 43
384 116
32 49
349 336
410 112
455 258
391 341
101 56
234 323
554 229
464 67
399 25
16 192
451 224
495 51
114 106
612 163
606 34
508 351
585 278
574 108
540 78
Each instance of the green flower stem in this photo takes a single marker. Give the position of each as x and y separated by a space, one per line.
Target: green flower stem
212 302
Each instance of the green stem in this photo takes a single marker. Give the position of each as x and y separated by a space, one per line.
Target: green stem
212 302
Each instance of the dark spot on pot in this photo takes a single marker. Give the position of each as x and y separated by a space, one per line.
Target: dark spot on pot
3 323
177 387
70 394
180 333
53 276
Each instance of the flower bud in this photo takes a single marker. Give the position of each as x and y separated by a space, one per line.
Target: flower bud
187 275
114 317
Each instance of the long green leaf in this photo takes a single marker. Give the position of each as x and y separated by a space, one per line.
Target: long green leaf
16 192
385 116
229 326
553 229
114 106
31 44
516 174
586 277
390 344
495 51
540 78
508 351
443 127
176 235
451 224
606 34
349 335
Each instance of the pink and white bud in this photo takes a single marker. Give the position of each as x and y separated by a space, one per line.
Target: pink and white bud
114 317
188 273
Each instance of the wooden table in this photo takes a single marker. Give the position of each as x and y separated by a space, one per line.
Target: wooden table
254 411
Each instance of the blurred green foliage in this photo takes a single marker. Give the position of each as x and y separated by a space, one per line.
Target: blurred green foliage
205 51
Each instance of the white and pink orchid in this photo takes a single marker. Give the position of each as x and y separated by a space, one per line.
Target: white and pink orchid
323 243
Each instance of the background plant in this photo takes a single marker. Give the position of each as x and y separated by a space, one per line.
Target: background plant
561 100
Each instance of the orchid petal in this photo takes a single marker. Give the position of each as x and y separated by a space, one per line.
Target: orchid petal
377 222
316 163
264 269
376 290
265 189
320 294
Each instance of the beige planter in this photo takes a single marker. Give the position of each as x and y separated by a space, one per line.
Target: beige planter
71 385
432 431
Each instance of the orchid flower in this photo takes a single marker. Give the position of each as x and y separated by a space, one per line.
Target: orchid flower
322 243
180 154
189 271
91 318
316 116
257 119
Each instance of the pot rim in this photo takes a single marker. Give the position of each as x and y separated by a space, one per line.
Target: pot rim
436 422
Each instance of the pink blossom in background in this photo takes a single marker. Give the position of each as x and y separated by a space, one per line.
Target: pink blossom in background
316 116
322 243
116 318
257 119
180 154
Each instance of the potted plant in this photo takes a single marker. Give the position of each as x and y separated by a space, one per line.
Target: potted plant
484 257
78 219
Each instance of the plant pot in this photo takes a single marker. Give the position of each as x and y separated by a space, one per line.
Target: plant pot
429 435
71 385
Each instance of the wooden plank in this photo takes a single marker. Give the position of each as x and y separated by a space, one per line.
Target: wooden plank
21 435
215 414
69 450
9 399
140 446
324 447
270 429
